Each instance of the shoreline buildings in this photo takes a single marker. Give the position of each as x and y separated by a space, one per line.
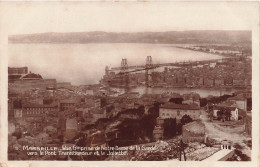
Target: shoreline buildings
20 81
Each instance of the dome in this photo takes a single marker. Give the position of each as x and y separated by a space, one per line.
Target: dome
32 76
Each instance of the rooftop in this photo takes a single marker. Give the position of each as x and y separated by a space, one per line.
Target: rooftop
219 107
31 105
237 98
32 76
170 105
68 101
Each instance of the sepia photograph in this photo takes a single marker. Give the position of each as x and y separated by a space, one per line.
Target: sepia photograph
164 81
192 102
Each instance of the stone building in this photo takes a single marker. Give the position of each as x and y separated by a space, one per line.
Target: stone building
67 104
21 86
171 110
36 115
234 111
17 70
158 132
38 110
239 102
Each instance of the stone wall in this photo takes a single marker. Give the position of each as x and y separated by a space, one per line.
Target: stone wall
227 156
188 136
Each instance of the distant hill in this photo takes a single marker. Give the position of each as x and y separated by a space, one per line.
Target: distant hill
170 37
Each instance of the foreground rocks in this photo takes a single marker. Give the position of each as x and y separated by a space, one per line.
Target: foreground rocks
167 150
163 150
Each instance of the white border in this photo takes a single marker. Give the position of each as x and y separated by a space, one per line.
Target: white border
255 120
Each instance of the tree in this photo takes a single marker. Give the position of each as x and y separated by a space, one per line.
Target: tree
179 128
220 114
61 138
211 115
177 100
148 123
227 114
17 134
203 102
224 114
216 100
170 127
249 104
130 131
186 119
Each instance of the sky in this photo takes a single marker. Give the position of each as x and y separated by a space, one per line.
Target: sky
40 17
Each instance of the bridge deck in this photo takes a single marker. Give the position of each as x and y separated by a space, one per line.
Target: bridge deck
144 67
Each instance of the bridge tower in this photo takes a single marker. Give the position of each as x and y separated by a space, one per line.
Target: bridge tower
148 65
124 65
107 70
125 76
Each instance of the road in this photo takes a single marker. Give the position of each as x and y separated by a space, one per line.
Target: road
214 131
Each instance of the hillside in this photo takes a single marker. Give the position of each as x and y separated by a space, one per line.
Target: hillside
170 37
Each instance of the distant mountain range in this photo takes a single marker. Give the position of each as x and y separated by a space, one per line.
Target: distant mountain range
169 37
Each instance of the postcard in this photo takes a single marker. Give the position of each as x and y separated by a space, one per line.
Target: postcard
113 83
